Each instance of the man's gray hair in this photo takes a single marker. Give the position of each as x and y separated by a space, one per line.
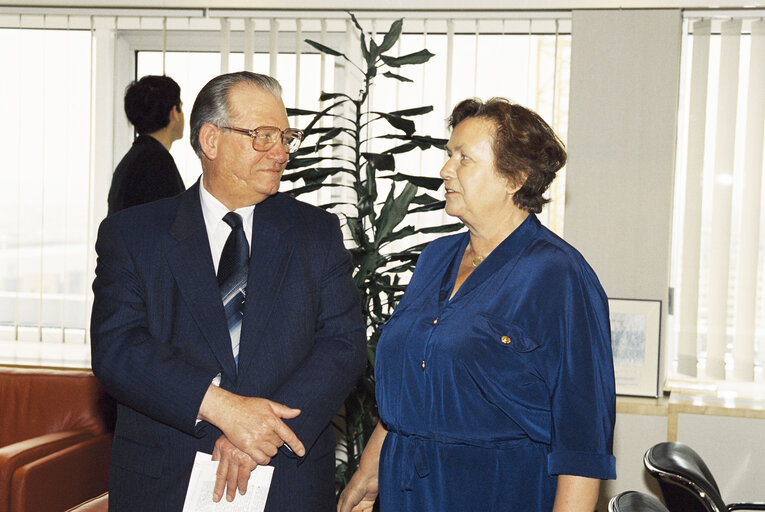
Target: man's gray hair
211 105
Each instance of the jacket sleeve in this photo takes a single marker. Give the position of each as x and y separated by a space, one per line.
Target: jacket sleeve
148 375
338 356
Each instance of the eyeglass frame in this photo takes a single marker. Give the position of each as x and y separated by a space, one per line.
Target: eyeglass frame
253 133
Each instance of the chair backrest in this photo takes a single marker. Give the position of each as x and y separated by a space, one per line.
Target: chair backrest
685 480
633 501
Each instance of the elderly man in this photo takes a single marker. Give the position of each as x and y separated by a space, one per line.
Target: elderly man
225 320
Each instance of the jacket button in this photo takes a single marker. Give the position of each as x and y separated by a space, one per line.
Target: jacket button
423 364
506 340
435 321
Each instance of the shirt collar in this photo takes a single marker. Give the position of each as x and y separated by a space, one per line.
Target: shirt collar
214 211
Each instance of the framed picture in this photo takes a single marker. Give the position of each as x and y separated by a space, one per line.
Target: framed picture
635 334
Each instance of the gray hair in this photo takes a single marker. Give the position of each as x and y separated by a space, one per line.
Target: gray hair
211 105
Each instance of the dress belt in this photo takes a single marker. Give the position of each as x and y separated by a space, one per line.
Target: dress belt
415 464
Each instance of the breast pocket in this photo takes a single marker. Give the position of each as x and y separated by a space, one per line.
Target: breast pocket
507 335
507 354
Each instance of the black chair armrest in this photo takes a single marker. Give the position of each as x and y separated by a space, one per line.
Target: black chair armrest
746 506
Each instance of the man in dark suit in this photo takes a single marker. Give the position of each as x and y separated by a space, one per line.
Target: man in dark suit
185 379
148 172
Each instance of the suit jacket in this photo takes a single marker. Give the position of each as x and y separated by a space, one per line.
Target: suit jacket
159 337
146 173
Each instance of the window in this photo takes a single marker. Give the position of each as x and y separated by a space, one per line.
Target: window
718 272
66 129
44 201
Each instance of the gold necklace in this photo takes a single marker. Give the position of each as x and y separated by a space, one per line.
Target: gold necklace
476 260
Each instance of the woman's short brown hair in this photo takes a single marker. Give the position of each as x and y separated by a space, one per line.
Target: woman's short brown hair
526 149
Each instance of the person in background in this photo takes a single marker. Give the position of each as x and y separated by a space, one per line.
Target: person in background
494 374
148 172
225 319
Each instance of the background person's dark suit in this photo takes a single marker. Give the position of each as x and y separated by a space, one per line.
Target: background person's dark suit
146 173
159 336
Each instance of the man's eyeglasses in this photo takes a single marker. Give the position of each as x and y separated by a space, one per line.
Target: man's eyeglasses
264 137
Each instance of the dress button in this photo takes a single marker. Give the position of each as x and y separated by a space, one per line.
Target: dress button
435 321
423 364
506 340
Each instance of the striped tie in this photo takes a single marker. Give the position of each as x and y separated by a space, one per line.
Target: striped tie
232 278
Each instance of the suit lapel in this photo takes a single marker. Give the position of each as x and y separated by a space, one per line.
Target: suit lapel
191 264
269 260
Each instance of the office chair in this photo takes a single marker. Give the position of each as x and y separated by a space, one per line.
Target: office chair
633 501
686 482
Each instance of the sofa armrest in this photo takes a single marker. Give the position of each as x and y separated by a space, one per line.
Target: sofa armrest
63 479
97 504
18 454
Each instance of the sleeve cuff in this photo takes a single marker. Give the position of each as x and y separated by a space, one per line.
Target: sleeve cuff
587 464
215 382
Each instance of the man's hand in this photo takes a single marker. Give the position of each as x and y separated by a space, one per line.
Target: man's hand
253 425
233 470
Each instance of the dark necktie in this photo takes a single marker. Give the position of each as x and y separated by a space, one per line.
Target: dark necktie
232 278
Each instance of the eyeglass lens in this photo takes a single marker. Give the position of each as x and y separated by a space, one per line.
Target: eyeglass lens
265 137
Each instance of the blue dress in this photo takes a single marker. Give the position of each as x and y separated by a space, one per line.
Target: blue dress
487 397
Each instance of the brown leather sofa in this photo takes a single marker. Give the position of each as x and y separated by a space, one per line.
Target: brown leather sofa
97 504
55 439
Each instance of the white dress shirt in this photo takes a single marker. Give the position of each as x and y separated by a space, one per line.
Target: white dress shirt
213 212
218 230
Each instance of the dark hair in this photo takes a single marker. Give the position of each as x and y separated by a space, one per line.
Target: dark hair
148 102
211 105
526 149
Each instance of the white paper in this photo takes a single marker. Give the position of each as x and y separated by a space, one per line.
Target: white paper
200 491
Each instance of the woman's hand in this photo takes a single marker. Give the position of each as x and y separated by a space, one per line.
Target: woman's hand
361 492
359 495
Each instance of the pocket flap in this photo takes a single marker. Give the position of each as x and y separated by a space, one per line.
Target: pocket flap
509 334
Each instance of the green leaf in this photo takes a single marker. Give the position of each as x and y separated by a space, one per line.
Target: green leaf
305 162
371 183
381 162
394 32
444 228
300 112
393 211
413 58
425 199
355 21
429 207
420 181
324 96
324 49
398 122
306 149
398 235
423 141
403 148
357 231
308 129
371 57
331 134
397 77
310 188
413 111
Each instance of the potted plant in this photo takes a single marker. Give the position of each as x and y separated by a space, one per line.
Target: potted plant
342 154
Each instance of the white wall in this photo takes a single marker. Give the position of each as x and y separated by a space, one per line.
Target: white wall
625 69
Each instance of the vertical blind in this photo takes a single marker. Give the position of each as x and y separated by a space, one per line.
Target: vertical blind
719 236
70 67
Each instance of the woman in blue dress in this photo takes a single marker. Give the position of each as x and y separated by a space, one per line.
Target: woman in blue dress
494 374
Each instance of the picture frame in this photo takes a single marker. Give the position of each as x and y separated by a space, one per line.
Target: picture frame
635 345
